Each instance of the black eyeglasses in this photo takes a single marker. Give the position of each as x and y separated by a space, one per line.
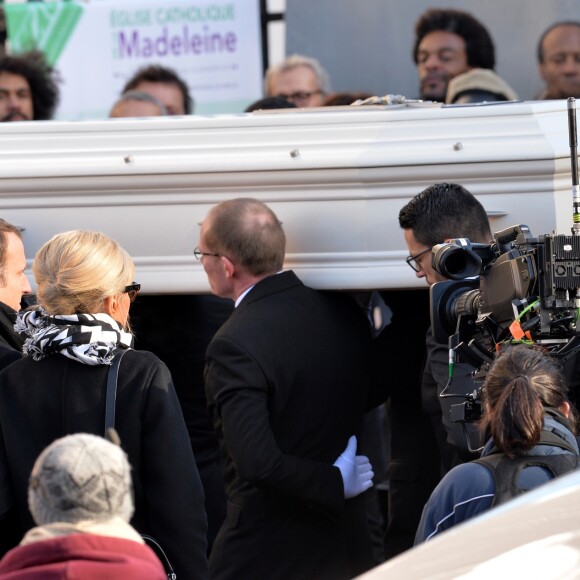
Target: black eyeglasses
300 96
132 290
199 254
413 261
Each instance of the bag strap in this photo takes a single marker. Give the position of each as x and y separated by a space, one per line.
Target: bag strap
110 403
505 471
160 553
111 396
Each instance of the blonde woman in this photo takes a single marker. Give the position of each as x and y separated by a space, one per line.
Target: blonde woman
85 289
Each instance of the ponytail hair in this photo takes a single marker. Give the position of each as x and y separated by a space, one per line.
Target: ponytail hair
521 383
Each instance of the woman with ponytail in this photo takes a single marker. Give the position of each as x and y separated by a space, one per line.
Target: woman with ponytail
531 429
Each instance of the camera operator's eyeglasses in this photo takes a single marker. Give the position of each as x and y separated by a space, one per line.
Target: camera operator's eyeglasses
413 261
132 290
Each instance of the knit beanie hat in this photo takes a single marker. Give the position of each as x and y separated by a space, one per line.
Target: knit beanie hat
80 477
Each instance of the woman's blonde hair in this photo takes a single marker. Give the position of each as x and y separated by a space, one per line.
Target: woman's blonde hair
75 271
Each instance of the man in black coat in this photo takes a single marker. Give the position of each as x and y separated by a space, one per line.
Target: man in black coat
13 285
287 384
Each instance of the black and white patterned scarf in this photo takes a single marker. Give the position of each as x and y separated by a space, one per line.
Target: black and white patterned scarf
87 338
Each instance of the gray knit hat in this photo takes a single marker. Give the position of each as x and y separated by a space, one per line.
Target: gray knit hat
80 477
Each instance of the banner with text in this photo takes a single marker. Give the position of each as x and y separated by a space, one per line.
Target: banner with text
214 45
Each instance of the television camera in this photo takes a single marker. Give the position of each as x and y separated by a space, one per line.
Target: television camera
517 289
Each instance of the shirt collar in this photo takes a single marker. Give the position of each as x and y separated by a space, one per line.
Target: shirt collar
245 292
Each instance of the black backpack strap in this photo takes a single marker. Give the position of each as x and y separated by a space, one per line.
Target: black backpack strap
111 396
490 462
550 438
506 471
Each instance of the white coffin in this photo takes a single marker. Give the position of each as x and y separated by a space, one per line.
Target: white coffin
336 177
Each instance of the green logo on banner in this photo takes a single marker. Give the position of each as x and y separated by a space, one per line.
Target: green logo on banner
41 26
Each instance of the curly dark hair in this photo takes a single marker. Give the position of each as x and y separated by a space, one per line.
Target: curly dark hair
41 79
478 43
156 73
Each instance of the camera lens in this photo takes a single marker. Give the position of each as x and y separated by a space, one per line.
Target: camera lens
448 300
467 303
455 262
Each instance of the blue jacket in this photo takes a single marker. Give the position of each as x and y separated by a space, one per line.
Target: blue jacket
468 489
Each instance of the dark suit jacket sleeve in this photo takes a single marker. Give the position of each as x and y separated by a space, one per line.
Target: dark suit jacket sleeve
10 531
179 518
238 389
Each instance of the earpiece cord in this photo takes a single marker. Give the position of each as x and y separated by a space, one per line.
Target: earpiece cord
452 359
469 448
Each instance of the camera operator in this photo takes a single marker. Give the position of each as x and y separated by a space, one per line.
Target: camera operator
528 415
442 212
420 451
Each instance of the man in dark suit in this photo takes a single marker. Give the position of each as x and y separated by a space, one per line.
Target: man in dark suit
287 384
13 285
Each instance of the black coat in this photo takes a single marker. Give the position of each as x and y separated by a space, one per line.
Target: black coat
41 401
9 338
287 384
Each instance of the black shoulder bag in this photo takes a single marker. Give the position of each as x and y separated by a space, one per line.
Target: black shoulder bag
110 404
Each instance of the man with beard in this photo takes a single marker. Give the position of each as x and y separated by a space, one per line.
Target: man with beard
28 89
449 43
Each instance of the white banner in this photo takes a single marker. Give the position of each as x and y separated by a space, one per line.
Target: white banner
214 45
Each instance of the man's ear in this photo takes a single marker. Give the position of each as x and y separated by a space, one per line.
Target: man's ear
229 266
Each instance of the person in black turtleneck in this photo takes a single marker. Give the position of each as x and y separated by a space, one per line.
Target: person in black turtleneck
13 285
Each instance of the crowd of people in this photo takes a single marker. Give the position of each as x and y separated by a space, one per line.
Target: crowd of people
245 439
453 51
289 377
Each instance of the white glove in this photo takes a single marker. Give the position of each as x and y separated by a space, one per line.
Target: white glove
356 470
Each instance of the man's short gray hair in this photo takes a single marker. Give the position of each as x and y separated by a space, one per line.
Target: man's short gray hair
294 61
143 97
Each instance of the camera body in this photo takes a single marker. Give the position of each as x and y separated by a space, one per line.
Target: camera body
517 289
